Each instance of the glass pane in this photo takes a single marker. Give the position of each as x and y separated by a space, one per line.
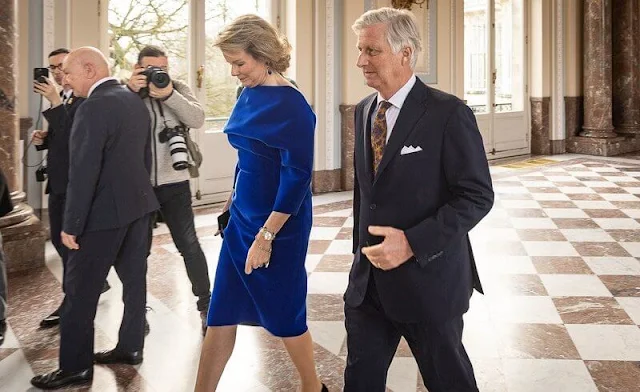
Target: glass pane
220 86
509 56
475 55
136 23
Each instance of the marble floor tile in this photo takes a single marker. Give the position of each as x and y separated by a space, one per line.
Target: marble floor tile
606 342
536 341
631 305
536 375
523 310
591 310
560 265
613 265
565 213
587 235
622 285
614 376
560 285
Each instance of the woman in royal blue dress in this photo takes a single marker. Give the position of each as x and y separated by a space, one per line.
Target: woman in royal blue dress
261 278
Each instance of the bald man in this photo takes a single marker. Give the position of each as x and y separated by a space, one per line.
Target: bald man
106 219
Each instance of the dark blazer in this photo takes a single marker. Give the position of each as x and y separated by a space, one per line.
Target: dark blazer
60 120
6 206
435 195
109 184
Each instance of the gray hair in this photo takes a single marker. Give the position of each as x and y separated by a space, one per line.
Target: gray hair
402 29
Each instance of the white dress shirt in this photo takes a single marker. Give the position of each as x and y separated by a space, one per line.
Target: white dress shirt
99 82
397 100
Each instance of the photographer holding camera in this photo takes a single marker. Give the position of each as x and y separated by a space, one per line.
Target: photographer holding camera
173 109
56 140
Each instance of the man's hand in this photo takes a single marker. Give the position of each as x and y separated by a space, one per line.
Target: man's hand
137 81
69 241
392 252
160 93
49 91
38 136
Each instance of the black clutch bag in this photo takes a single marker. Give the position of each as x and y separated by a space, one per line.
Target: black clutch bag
223 221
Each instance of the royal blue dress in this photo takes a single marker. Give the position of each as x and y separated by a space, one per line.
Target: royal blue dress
272 127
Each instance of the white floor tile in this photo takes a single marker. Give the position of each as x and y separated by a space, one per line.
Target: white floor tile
550 196
587 235
549 248
606 342
617 223
524 310
635 214
508 204
15 373
575 189
533 223
537 375
594 205
565 213
632 247
328 282
340 247
324 233
402 375
613 265
631 305
328 334
619 197
566 285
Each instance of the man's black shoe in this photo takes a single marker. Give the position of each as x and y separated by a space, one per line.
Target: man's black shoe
115 356
59 379
105 287
51 320
3 330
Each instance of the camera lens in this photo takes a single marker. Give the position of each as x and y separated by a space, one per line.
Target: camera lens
160 79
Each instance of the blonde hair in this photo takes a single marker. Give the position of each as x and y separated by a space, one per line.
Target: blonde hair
259 39
402 29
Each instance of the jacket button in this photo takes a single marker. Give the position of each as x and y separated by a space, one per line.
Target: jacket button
373 206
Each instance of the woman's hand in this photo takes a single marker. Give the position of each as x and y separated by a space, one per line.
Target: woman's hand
258 256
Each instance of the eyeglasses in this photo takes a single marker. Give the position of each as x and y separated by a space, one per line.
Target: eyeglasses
54 67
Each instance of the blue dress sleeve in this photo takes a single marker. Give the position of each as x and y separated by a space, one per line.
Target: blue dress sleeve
296 156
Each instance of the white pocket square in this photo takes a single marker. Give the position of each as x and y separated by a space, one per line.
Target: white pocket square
410 150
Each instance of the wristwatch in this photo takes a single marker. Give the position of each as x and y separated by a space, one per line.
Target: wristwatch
266 234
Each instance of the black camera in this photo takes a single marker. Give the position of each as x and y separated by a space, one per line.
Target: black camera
39 74
177 145
41 174
156 76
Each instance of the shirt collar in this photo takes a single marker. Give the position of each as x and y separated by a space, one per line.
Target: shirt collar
401 95
99 82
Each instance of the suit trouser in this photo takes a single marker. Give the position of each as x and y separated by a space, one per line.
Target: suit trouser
126 250
177 212
56 214
3 284
372 340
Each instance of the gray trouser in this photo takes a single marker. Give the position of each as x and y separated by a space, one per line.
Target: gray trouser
3 284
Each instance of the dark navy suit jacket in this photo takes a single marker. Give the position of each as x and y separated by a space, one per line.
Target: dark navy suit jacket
109 166
60 120
435 195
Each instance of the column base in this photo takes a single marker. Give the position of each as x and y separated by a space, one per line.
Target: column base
605 147
23 237
628 129
598 133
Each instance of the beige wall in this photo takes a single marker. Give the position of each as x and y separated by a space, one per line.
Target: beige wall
85 23
299 31
353 86
540 48
573 47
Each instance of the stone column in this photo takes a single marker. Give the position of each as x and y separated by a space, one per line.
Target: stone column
598 118
22 232
626 66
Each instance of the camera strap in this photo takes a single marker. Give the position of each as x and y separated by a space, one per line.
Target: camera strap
164 120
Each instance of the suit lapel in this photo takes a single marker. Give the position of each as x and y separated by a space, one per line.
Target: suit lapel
363 140
412 110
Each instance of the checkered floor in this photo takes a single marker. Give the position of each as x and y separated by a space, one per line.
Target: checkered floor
558 256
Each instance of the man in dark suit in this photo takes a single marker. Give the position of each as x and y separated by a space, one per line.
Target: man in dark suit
106 219
56 140
421 183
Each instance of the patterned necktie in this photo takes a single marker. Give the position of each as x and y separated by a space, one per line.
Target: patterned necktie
379 134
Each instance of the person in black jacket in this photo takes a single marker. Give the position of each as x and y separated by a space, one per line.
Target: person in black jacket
5 208
106 218
421 184
55 139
